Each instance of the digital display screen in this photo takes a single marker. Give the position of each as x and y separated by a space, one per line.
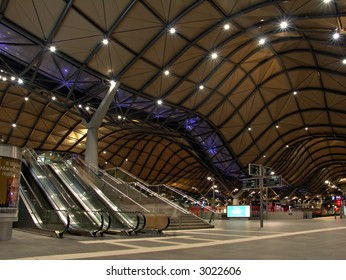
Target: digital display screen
238 211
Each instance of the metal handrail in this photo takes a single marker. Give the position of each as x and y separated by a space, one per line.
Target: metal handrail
188 197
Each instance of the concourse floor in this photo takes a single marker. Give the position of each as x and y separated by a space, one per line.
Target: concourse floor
316 239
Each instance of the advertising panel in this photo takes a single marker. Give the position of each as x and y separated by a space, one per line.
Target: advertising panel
9 181
238 211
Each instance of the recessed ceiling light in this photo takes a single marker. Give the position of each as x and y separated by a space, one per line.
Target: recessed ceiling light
306 128
80 106
87 108
20 81
226 26
159 101
52 48
13 78
336 36
327 1
264 156
172 30
53 98
14 125
287 146
105 41
104 152
344 61
26 98
120 117
214 55
201 87
283 24
166 72
295 92
277 126
4 79
262 41
249 128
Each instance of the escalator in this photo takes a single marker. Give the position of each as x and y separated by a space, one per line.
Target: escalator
35 212
60 200
83 187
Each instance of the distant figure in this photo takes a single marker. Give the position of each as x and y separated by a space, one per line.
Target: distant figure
290 210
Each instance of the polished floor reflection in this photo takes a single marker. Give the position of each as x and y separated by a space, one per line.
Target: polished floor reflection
323 239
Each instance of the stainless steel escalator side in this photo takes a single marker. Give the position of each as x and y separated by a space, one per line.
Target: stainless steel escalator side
128 220
78 220
94 209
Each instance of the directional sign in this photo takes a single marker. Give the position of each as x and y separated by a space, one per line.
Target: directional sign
272 181
266 171
250 184
255 170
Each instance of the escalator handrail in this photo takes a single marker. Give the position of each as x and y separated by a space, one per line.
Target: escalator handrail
68 223
109 224
138 227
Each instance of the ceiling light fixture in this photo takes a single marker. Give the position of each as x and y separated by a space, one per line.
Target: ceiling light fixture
172 30
283 24
52 48
214 55
344 61
226 26
295 93
306 128
14 125
262 41
336 35
20 81
159 102
26 98
166 72
201 87
105 41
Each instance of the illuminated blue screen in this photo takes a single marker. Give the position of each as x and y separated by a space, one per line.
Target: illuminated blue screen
238 211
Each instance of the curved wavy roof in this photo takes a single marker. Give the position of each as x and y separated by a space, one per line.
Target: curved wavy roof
238 85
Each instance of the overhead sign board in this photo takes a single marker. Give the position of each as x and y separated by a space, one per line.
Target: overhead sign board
255 170
272 181
266 171
250 184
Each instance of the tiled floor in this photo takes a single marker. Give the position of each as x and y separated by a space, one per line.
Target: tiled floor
323 239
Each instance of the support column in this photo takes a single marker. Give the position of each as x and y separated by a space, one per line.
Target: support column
235 201
91 152
10 162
